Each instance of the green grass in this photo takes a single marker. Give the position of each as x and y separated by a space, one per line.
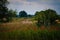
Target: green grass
19 31
30 35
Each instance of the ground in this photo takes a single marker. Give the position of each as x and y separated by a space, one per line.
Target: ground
23 24
26 29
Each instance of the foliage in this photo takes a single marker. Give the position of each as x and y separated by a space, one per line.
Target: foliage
22 14
46 17
52 15
58 17
12 13
3 10
5 14
30 16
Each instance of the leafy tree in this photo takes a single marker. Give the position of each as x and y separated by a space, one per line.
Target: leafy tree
40 17
46 17
12 13
22 14
51 16
3 10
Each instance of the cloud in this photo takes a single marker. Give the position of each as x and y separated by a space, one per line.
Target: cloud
25 4
33 5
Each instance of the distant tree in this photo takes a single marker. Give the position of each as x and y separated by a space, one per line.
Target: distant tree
22 14
3 10
46 17
29 16
12 13
58 17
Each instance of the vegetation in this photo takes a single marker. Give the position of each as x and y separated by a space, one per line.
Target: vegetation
22 14
3 10
46 17
30 35
12 13
23 26
17 30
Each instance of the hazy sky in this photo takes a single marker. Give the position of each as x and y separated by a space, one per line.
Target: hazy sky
31 6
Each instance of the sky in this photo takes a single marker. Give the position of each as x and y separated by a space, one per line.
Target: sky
31 6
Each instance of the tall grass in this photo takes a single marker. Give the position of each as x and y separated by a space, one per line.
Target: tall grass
30 35
18 31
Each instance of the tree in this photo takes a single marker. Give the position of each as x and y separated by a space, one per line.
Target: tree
40 17
46 17
58 17
12 13
3 10
30 16
22 14
51 16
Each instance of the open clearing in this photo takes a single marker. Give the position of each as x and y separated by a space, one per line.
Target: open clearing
19 24
23 24
26 29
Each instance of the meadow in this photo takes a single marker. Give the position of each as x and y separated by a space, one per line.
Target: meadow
41 22
26 29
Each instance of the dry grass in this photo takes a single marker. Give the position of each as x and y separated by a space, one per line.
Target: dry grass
18 30
23 24
19 24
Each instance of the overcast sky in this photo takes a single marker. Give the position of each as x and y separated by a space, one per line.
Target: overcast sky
31 6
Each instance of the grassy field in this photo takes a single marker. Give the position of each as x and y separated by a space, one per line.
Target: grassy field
26 29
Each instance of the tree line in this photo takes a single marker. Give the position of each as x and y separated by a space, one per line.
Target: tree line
46 17
6 15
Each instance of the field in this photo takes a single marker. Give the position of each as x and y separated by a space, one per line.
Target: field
26 29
